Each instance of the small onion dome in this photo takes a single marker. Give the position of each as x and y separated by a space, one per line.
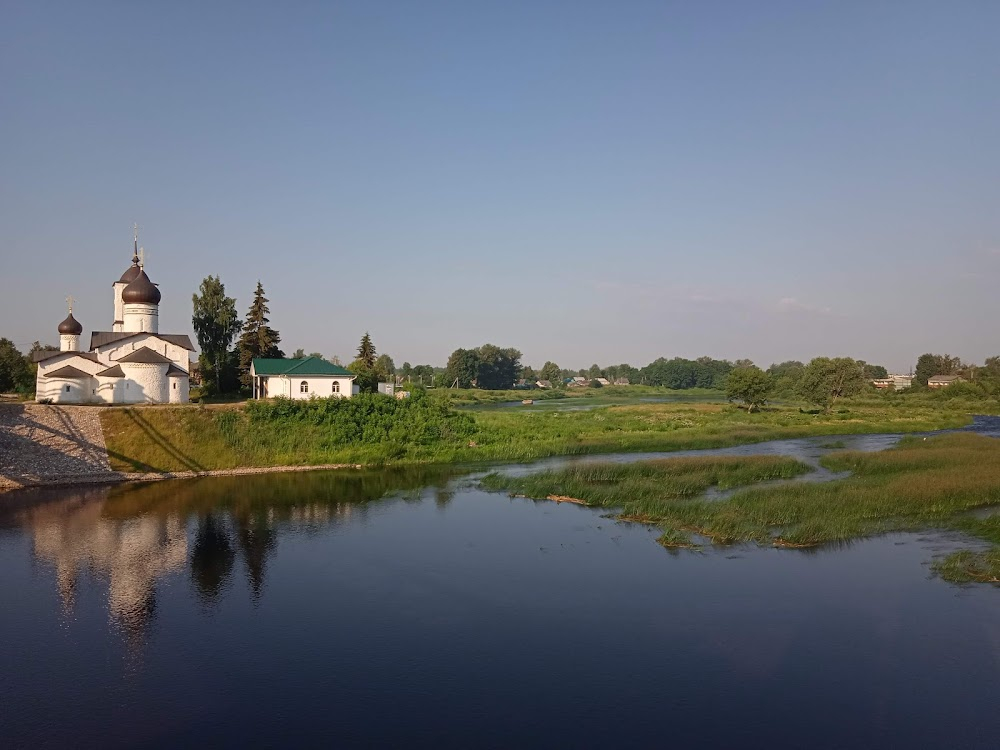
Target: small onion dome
141 291
71 326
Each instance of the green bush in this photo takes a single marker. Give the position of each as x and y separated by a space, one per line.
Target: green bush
368 418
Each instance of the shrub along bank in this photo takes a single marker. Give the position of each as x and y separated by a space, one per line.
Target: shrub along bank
369 428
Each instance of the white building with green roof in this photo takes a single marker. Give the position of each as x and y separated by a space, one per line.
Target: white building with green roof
311 377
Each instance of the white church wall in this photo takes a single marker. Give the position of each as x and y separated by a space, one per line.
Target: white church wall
81 391
145 383
142 317
119 311
179 389
67 390
111 390
69 342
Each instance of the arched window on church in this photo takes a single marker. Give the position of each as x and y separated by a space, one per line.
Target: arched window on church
335 388
304 386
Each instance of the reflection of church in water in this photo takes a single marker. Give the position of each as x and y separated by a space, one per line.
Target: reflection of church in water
134 551
132 555
135 538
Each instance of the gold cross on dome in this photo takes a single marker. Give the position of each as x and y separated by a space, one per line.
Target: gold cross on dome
69 301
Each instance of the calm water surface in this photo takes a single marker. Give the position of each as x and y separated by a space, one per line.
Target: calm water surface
410 608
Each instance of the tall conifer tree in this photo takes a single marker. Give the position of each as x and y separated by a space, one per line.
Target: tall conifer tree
366 351
258 339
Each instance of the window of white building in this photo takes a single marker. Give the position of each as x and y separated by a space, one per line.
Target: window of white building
335 388
304 387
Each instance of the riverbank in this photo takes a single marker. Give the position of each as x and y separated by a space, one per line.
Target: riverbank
945 482
171 439
44 444
121 477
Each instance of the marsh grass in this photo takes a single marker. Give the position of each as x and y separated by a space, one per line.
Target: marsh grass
968 566
666 492
921 484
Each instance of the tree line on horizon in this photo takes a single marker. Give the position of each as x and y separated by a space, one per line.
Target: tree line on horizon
228 346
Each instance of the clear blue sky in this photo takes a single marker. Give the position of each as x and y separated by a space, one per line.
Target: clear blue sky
586 181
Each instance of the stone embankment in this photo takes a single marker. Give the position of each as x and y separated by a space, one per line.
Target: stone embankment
42 444
47 445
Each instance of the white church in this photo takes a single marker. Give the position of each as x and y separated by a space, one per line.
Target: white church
133 363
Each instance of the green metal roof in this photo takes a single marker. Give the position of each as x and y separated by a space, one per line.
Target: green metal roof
307 366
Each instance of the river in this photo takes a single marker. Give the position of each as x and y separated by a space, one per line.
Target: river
412 608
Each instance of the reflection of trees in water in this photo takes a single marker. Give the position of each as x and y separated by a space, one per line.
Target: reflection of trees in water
214 551
257 542
211 557
134 535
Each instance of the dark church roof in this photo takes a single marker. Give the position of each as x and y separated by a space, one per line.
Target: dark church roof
41 356
68 372
145 356
100 338
112 372
71 326
175 372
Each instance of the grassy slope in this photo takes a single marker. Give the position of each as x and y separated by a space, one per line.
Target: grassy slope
922 484
177 438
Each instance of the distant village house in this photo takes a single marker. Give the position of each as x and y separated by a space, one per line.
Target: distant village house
943 381
895 382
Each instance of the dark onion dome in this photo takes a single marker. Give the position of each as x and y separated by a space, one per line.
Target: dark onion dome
133 271
71 326
131 274
141 291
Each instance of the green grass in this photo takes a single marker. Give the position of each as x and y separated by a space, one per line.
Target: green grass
967 566
368 429
268 434
611 394
922 484
651 491
525 434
